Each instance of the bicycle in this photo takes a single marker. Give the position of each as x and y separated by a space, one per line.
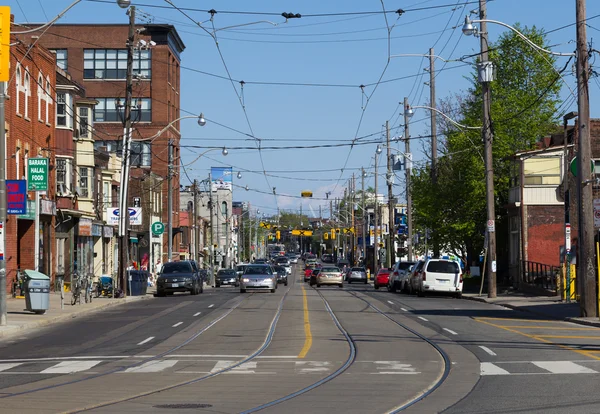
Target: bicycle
76 289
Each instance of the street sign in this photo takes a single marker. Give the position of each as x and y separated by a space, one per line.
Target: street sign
265 225
16 196
158 228
37 174
135 216
349 230
573 166
302 232
491 226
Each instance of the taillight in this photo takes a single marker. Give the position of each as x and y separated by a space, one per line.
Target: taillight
461 279
424 276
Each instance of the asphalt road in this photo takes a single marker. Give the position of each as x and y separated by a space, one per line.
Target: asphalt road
303 349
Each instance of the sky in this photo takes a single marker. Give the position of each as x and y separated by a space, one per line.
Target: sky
304 89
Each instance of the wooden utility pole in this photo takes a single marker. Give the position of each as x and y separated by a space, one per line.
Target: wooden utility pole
586 269
407 169
376 228
483 66
390 257
436 244
363 216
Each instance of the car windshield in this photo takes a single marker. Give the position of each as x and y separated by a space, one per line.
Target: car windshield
358 269
330 269
240 268
226 272
257 270
442 266
405 265
177 267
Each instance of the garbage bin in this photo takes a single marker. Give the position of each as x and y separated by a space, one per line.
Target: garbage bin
138 282
37 291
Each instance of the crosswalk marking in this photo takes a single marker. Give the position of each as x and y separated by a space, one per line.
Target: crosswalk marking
70 367
394 368
220 365
487 368
310 367
4 367
153 366
564 367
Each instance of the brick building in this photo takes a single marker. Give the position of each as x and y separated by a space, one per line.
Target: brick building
29 111
96 57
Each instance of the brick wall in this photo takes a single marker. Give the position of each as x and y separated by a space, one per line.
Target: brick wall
545 233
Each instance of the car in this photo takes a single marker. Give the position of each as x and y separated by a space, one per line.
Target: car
398 279
311 261
239 269
260 261
382 278
327 258
357 274
414 275
313 276
343 263
439 275
307 272
293 258
282 275
180 276
258 277
329 275
285 262
227 277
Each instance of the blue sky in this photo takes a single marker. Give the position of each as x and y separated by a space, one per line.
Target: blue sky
342 49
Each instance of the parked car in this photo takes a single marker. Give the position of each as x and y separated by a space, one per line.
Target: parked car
382 278
398 279
357 274
258 277
439 275
414 275
227 277
181 276
329 275
282 275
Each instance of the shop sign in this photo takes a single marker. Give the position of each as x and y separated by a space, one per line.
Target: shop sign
16 196
48 207
37 174
30 213
96 230
85 227
108 232
135 215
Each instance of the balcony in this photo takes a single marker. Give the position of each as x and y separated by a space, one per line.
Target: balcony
535 195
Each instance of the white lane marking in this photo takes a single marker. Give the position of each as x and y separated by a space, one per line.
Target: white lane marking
390 302
307 367
394 368
451 331
487 368
177 324
65 358
405 310
210 306
563 367
153 366
69 367
197 313
4 367
220 365
423 319
145 341
488 350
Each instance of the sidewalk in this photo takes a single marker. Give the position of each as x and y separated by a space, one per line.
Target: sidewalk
544 306
19 319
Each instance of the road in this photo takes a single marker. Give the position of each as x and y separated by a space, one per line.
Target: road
302 349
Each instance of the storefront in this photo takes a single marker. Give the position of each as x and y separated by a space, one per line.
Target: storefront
84 249
97 241
108 251
47 213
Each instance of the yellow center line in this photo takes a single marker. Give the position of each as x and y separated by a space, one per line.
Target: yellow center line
307 333
549 327
538 338
569 336
518 320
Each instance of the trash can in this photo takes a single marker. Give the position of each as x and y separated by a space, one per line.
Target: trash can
138 280
37 291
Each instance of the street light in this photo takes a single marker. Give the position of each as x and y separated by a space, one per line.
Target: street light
124 3
201 120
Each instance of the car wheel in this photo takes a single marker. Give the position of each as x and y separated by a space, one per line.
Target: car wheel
389 289
242 290
420 293
217 285
318 285
366 281
341 285
458 295
349 282
376 286
285 283
201 287
392 288
272 290
160 293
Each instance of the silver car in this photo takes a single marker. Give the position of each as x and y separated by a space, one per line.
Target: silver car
357 274
258 277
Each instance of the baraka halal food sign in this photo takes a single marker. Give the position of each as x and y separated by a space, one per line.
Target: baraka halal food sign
37 174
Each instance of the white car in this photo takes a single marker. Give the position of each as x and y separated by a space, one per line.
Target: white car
437 275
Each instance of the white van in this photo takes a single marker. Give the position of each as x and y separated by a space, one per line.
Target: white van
440 275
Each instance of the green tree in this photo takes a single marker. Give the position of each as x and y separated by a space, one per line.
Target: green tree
524 98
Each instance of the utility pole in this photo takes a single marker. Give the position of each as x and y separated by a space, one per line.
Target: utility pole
436 245
585 230
390 257
407 170
364 240
227 258
3 312
353 233
376 226
170 204
123 242
483 66
196 230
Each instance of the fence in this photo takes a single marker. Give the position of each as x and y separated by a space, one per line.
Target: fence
540 275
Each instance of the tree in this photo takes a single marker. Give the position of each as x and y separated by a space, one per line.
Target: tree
523 109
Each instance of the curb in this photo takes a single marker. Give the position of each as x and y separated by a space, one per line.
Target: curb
9 330
545 315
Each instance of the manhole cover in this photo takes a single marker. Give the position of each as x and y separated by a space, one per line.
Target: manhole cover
183 406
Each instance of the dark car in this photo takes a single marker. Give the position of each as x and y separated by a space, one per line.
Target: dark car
327 258
282 276
260 261
313 276
181 276
227 277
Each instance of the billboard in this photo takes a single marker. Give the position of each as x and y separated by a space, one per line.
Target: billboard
135 216
222 178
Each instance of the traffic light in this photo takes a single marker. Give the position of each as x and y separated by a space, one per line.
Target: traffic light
4 43
325 236
332 234
278 234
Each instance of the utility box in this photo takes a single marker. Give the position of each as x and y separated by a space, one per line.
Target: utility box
37 292
486 72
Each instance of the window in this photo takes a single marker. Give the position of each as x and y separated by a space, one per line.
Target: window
83 182
48 99
41 96
64 110
106 110
106 193
18 87
61 58
542 171
27 92
63 175
141 154
84 119
112 64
